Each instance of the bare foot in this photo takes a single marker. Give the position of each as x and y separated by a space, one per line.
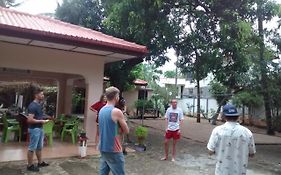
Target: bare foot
164 158
173 159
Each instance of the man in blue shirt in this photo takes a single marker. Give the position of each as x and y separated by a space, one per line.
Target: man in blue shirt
35 129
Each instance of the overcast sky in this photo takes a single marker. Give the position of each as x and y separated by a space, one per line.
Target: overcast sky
49 6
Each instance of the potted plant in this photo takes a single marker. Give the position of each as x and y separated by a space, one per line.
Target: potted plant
141 134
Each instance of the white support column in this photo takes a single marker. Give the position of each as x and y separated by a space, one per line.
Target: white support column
64 96
68 96
94 88
61 83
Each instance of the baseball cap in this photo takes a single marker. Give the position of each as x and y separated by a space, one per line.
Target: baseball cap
230 110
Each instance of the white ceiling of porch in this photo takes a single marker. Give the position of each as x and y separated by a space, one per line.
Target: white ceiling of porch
109 56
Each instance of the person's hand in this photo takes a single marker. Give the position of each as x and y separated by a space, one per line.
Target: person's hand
45 121
179 131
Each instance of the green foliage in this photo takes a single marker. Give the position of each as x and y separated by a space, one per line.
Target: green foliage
87 13
151 74
249 99
218 91
146 104
211 36
144 22
170 74
78 100
122 74
141 131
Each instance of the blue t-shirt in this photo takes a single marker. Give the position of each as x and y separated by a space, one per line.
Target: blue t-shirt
35 109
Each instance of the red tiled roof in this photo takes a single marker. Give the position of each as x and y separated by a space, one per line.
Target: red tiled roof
140 82
48 27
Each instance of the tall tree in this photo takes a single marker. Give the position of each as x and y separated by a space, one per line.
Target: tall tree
234 37
266 10
195 45
143 22
87 13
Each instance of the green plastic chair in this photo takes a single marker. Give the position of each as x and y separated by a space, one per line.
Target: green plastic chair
10 125
70 127
59 122
48 131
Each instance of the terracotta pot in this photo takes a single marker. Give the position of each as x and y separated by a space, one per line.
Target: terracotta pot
141 140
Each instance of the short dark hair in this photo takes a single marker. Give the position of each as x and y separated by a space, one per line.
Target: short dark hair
232 118
111 93
121 104
36 91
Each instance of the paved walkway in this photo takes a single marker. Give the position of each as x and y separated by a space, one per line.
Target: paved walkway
201 131
192 159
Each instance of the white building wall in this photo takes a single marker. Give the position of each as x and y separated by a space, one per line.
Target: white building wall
189 105
91 67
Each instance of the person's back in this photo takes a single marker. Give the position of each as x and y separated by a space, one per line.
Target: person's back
232 144
110 140
111 125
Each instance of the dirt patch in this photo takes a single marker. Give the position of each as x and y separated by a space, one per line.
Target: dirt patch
10 171
74 168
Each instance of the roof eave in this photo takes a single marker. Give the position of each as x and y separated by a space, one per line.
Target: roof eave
13 31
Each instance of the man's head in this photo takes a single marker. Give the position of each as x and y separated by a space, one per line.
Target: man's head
112 94
174 103
38 94
230 112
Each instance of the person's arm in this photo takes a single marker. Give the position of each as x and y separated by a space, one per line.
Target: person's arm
32 120
252 147
181 118
94 108
212 143
167 119
119 117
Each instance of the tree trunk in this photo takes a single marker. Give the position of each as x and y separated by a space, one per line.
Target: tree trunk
243 114
215 117
263 65
198 101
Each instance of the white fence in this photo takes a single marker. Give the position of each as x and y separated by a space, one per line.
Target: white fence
189 105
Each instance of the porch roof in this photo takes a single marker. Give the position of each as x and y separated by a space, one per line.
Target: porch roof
36 30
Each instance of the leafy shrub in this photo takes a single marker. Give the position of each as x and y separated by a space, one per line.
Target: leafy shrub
144 103
141 131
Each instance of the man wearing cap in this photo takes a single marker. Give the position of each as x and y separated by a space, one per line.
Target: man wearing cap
232 144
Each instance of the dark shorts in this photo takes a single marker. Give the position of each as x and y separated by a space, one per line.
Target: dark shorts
172 134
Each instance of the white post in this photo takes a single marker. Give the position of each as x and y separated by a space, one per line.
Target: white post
94 89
